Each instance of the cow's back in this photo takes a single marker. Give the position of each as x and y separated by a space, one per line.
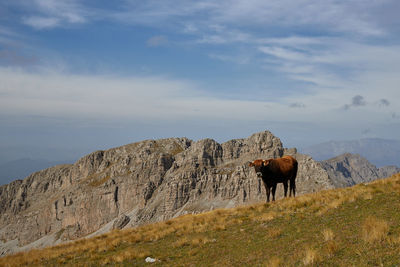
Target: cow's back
287 165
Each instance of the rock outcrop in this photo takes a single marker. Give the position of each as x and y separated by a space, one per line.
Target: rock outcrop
143 182
350 169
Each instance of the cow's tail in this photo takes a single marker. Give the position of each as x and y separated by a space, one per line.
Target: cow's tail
295 166
293 179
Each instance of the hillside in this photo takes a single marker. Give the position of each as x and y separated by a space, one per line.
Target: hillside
380 152
355 226
350 169
140 183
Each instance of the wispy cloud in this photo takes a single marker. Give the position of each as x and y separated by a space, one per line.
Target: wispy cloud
15 49
348 16
157 40
48 14
73 96
9 37
221 35
353 17
237 59
283 53
155 98
42 22
8 32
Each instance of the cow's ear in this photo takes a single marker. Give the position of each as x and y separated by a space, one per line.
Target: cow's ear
251 164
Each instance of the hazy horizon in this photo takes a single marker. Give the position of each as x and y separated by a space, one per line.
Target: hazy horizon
70 155
31 159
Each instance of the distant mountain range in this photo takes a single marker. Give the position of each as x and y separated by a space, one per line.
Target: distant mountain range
350 169
21 168
380 152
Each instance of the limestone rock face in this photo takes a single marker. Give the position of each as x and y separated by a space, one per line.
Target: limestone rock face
350 169
121 221
143 182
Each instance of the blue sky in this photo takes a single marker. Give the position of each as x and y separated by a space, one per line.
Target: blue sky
76 76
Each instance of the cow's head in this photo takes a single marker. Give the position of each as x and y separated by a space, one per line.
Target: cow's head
257 164
266 162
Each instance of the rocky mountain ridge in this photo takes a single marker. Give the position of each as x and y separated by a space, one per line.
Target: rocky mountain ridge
143 182
350 169
380 152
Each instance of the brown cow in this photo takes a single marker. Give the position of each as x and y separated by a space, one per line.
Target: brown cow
273 171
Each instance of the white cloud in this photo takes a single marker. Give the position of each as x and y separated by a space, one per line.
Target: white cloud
365 18
331 15
41 22
292 41
11 38
8 32
283 53
162 98
189 28
227 36
352 17
338 67
52 94
47 14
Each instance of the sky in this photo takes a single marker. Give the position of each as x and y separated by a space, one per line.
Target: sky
78 76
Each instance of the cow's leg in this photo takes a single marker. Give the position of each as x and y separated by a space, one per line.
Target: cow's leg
267 190
273 192
285 187
292 187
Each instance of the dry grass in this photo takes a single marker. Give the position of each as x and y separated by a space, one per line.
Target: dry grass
328 234
274 262
311 256
394 240
200 241
374 230
274 233
265 217
130 254
192 241
331 248
184 241
368 196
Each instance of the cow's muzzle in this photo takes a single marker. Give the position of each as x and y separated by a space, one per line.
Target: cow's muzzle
259 174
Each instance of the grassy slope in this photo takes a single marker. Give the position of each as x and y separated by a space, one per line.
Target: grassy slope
357 226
